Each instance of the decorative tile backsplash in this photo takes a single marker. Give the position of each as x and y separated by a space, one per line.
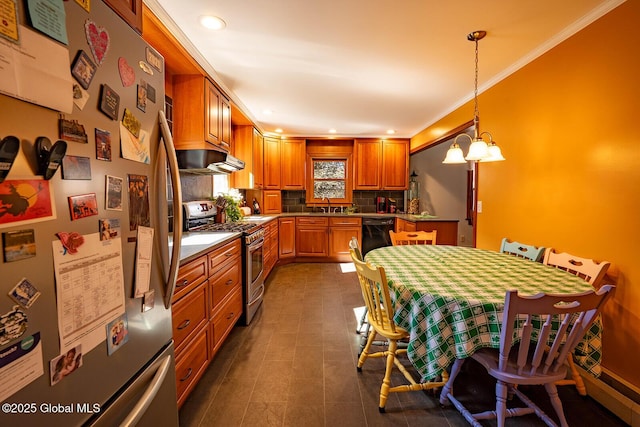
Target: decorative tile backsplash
294 201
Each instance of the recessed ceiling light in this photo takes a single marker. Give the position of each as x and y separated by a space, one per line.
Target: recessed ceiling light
212 22
332 131
391 132
279 130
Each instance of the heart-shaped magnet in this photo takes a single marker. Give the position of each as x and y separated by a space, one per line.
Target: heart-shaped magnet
127 73
98 39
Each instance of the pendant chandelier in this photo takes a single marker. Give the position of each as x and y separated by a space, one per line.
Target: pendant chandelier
479 150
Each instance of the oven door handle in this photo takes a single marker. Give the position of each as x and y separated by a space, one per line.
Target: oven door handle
256 243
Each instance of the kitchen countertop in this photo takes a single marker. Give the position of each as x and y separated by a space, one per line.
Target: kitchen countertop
407 217
195 243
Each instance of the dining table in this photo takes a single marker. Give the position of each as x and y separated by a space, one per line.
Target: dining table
451 299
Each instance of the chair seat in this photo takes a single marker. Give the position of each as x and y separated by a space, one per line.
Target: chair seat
488 358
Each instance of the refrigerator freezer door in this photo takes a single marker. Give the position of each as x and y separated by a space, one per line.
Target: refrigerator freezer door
145 401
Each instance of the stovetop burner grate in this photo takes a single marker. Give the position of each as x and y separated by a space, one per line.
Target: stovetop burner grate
225 226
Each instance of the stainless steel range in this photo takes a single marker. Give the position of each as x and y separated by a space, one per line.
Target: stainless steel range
200 216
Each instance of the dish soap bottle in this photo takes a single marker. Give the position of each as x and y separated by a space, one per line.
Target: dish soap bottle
256 207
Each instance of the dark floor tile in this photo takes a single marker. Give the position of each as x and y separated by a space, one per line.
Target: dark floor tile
268 414
308 415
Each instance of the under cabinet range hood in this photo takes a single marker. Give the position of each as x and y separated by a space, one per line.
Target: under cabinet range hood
207 162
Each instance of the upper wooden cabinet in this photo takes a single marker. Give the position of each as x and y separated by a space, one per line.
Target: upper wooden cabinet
292 159
381 164
201 114
271 165
129 10
395 164
368 158
248 146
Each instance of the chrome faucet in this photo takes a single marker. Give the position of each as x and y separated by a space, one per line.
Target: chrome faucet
328 204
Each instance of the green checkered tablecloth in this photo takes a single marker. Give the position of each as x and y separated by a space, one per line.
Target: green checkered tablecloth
451 299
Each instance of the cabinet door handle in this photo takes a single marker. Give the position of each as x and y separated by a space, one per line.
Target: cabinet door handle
185 282
229 282
230 316
186 377
184 324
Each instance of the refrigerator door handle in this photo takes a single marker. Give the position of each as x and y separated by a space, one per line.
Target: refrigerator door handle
172 161
150 393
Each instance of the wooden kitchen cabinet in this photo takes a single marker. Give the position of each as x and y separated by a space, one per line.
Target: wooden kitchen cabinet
201 114
271 163
270 247
206 305
225 281
311 236
341 230
190 365
403 225
381 164
129 10
248 147
447 230
368 164
293 161
286 237
271 202
395 164
190 325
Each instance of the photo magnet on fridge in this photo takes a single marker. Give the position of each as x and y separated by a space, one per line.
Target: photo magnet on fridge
24 293
17 245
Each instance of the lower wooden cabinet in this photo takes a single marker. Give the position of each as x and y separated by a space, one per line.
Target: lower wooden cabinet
191 364
206 306
311 236
224 318
447 230
286 237
341 230
270 248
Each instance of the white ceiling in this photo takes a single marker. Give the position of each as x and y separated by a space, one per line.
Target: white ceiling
364 66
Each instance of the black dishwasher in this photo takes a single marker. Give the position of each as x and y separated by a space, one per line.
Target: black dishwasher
375 233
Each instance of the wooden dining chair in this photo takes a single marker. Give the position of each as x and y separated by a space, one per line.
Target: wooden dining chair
593 273
376 294
549 326
413 237
521 250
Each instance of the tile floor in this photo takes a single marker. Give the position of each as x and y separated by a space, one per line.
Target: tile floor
295 365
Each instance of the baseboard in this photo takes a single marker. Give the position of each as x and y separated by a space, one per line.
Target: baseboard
608 391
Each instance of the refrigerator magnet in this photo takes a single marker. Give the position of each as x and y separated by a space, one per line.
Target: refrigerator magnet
76 167
109 102
17 245
24 293
127 73
83 205
148 300
14 324
103 145
130 121
141 101
83 69
117 333
98 39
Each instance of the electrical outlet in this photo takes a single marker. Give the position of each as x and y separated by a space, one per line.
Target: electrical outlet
462 238
479 208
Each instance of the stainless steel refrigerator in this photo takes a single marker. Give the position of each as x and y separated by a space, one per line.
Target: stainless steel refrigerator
132 381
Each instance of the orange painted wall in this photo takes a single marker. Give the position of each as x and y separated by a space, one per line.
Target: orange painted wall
567 124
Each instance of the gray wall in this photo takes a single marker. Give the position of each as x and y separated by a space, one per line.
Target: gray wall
443 188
